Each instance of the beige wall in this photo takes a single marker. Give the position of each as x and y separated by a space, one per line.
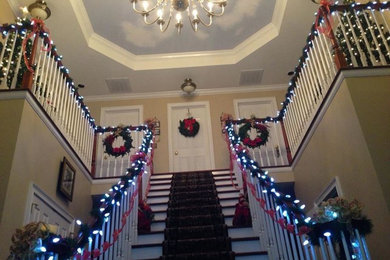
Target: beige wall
36 159
338 148
11 109
371 101
6 15
158 107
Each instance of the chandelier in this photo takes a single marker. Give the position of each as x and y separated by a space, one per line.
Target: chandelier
162 12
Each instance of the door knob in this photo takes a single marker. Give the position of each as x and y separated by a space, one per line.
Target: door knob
176 152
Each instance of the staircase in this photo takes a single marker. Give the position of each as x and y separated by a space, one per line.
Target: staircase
244 243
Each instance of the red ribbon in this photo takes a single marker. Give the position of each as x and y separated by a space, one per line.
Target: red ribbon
323 11
86 254
96 253
38 25
282 222
189 124
290 228
106 245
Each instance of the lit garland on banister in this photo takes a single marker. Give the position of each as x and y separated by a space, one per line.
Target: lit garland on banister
22 27
302 61
289 205
68 247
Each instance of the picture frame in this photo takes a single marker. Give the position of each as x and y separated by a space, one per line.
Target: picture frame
66 179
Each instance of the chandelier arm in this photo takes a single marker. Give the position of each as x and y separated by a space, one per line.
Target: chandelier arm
146 21
144 11
207 24
222 5
166 27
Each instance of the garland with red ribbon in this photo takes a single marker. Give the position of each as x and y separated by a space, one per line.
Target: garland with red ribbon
323 12
189 127
286 202
106 245
38 26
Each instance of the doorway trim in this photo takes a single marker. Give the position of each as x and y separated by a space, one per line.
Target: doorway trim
35 191
270 100
204 104
139 108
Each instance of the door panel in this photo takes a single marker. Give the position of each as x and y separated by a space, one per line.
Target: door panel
190 153
42 208
109 166
274 152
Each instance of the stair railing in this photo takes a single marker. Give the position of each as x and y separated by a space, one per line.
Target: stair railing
342 37
119 206
29 60
110 166
279 220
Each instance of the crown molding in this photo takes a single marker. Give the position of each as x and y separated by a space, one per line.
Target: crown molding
179 93
183 59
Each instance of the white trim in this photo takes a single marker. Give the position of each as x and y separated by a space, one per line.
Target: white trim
106 181
139 108
179 93
270 100
334 183
34 190
204 104
178 60
47 121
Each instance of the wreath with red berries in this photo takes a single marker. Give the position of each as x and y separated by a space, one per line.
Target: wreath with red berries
121 150
189 127
261 137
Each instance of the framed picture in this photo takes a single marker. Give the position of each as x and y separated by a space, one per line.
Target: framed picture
66 179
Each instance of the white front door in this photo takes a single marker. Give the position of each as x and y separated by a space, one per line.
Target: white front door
109 166
190 153
274 152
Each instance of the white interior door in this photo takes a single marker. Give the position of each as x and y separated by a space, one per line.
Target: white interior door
190 153
274 152
40 207
109 166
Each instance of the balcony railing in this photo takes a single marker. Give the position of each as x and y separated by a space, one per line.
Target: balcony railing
342 37
29 60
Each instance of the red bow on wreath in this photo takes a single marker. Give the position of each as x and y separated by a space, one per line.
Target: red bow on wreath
189 124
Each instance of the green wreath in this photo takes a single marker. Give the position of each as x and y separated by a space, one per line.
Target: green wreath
261 138
189 127
121 150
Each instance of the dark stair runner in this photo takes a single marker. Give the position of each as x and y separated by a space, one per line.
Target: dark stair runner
195 225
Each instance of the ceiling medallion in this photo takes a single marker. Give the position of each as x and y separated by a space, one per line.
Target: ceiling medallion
162 11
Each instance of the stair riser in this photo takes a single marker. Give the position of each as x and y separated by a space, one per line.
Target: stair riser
146 253
246 246
150 239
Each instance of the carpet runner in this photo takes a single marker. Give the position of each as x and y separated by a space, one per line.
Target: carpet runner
195 226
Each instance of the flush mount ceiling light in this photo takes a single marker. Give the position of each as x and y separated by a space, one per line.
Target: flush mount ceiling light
161 12
188 86
39 10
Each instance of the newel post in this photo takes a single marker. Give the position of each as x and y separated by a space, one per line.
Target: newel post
29 75
288 150
339 57
94 150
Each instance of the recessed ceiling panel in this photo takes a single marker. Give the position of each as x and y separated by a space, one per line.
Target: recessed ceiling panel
118 23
